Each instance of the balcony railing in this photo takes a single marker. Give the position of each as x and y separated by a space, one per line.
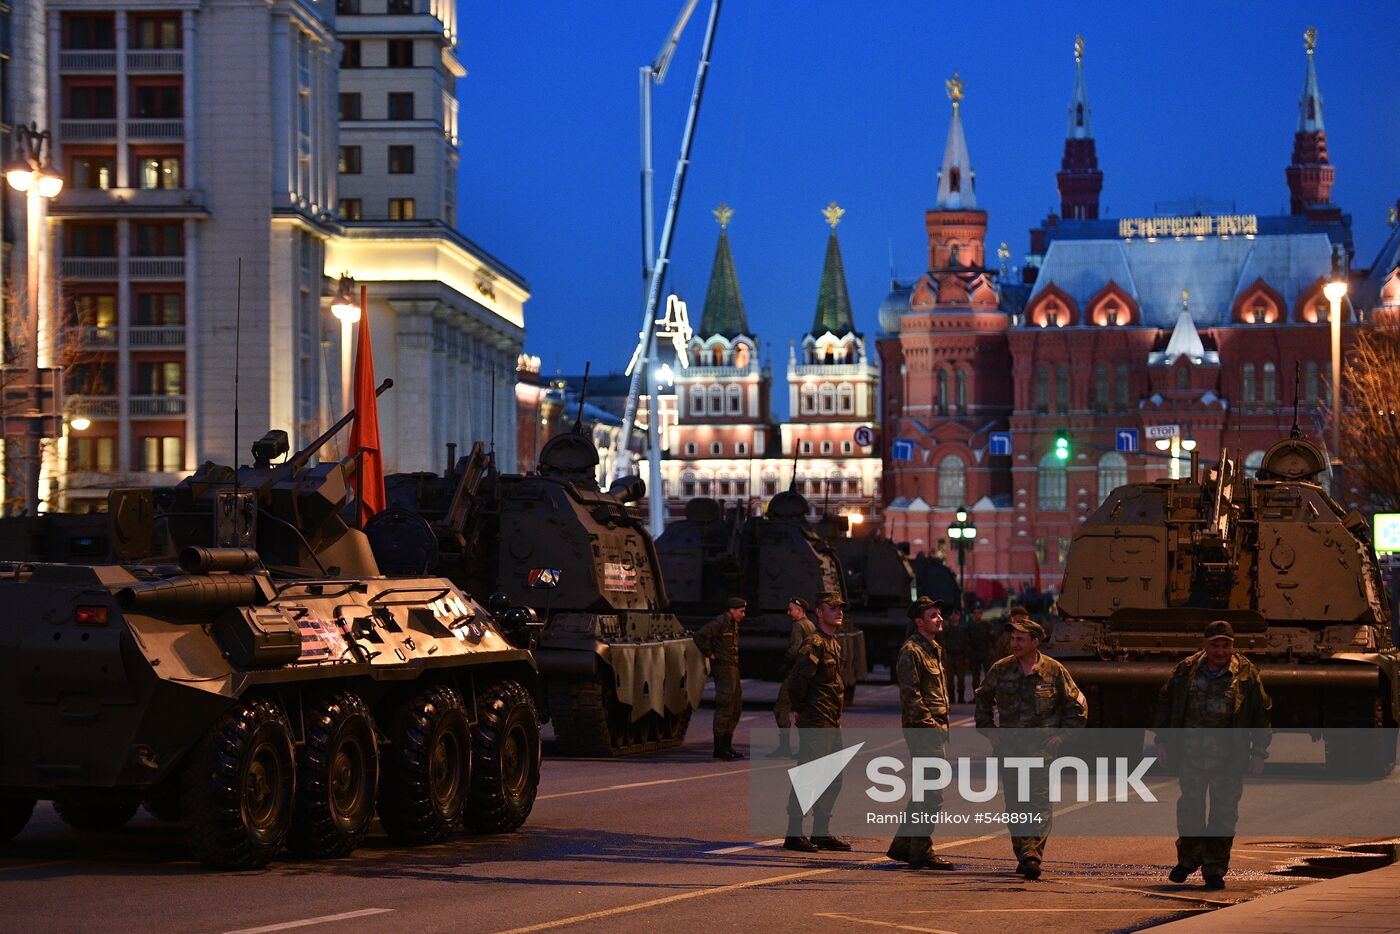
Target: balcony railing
157 335
94 406
90 267
87 131
156 267
156 405
163 129
92 337
155 60
87 60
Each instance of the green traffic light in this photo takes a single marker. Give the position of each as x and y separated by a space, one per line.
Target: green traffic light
1062 446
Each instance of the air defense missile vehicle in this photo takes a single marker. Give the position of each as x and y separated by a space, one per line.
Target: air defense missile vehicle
242 666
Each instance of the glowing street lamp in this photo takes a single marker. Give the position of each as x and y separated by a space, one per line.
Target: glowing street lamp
964 536
1335 292
346 308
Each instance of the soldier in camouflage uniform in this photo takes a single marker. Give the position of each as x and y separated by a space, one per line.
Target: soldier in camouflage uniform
1215 705
1003 646
923 700
957 655
719 640
800 612
1034 695
983 637
818 693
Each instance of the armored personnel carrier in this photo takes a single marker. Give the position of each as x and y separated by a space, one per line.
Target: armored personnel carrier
880 584
243 667
1292 570
709 556
621 675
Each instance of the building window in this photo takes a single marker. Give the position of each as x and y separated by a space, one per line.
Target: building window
1120 388
1247 384
1042 390
809 400
735 397
350 162
716 449
347 7
845 399
716 400
95 311
1101 388
1062 389
160 172
826 447
690 449
400 160
806 447
770 487
827 395
93 454
1270 393
90 239
1310 383
1051 484
160 379
942 400
847 447
158 309
688 488
156 101
952 481
400 105
89 31
91 379
158 239
960 384
351 209
162 453
704 487
91 172
741 356
90 101
350 54
741 448
1183 376
401 209
724 487
349 106
1113 473
400 53
697 400
400 7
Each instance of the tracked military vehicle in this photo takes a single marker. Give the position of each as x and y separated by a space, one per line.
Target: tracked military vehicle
880 584
1292 570
709 556
243 667
621 675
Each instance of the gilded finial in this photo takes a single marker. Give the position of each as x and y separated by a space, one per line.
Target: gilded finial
833 213
1004 254
1310 39
722 214
1186 300
1078 49
1390 217
955 89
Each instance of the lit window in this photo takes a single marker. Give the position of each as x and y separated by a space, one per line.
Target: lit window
160 172
401 209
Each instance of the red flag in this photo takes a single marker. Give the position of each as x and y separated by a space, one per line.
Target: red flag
364 433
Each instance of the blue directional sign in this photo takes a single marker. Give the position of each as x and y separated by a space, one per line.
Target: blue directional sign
902 449
1127 440
999 445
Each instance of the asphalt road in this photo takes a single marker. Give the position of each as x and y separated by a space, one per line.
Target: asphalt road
657 843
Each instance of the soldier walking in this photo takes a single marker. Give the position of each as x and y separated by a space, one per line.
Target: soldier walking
719 640
923 702
1215 705
1034 696
957 654
800 612
818 693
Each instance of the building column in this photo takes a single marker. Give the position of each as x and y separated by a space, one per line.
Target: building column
191 317
124 440
125 178
187 165
413 386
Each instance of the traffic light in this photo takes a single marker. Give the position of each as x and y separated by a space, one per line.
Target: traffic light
1062 445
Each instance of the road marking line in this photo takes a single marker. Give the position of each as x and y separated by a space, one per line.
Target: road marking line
658 781
716 890
1123 888
881 924
307 922
747 846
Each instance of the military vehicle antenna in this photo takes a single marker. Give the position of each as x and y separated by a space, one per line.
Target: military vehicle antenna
492 453
237 348
796 446
582 395
1295 432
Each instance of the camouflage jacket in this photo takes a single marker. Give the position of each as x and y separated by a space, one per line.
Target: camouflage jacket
1249 705
955 641
1047 697
720 638
815 685
923 689
802 630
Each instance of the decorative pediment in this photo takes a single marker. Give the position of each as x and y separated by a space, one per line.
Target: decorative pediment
1259 303
1112 305
1052 307
925 293
1313 307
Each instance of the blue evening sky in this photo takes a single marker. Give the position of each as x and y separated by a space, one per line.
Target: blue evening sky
820 100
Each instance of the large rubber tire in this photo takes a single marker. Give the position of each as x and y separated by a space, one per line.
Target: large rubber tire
238 788
14 814
337 778
426 774
505 759
96 810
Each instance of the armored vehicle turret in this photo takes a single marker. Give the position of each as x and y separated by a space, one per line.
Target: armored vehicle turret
1274 554
621 675
242 666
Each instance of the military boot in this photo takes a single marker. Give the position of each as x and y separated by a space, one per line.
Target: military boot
784 750
730 753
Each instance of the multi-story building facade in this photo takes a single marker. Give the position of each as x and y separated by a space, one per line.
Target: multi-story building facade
1197 321
205 146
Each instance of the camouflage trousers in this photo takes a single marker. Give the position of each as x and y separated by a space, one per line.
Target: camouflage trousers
729 698
1204 842
959 669
813 744
782 707
1031 803
914 841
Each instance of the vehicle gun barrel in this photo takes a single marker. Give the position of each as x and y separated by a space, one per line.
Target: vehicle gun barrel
190 593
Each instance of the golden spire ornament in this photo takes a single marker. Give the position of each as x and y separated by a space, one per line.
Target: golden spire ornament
833 214
955 89
1079 49
1186 300
722 214
1310 39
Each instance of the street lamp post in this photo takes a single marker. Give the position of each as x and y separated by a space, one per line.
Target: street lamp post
1335 292
347 311
31 171
964 536
1176 444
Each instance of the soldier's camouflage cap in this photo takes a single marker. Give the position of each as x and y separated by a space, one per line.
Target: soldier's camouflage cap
1025 624
923 604
1220 628
831 598
735 603
1016 611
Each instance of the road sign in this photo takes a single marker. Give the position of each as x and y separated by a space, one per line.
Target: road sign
902 449
1158 432
999 444
1386 531
865 436
1126 440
